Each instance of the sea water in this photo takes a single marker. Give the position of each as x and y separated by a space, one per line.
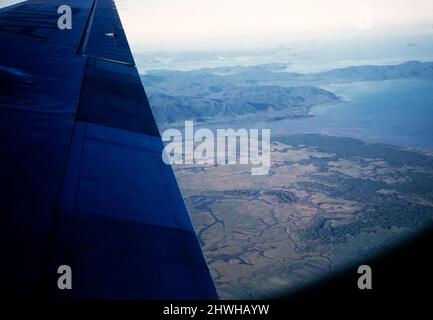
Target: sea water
398 112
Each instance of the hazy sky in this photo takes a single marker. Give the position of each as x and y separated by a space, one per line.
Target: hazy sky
199 24
4 3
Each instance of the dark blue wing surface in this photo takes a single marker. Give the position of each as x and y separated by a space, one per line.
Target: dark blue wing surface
81 175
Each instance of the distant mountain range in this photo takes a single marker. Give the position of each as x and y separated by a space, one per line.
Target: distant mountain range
407 70
263 92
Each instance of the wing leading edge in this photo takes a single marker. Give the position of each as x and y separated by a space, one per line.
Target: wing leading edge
81 175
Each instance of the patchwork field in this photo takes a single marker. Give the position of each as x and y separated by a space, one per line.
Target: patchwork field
326 202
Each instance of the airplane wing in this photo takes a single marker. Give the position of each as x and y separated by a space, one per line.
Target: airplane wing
82 181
